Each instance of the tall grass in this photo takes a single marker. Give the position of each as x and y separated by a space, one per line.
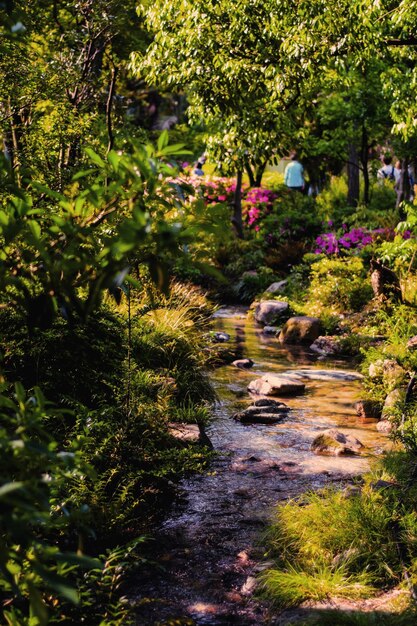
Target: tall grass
293 586
341 543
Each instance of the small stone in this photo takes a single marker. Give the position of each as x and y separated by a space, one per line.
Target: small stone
270 330
368 409
243 364
326 345
249 586
221 337
384 426
412 343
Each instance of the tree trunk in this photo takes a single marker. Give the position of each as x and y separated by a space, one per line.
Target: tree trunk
237 206
403 190
109 106
353 176
249 171
364 162
259 173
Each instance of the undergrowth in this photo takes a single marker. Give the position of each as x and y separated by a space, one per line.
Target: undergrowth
346 542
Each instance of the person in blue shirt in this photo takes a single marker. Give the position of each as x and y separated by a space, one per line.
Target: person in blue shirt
294 174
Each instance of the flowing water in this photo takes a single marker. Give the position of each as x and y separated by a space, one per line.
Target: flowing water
210 548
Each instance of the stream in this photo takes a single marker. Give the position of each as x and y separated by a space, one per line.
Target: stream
210 548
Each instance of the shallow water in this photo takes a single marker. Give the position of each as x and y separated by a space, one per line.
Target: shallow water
210 545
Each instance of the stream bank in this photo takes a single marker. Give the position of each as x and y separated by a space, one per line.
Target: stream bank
209 549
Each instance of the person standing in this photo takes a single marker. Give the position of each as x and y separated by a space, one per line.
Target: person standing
387 171
198 169
294 174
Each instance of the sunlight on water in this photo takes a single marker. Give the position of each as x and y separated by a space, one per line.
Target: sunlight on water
332 389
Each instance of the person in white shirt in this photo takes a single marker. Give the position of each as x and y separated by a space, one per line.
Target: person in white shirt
294 174
387 171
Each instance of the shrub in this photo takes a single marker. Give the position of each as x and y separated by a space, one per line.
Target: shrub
338 285
75 364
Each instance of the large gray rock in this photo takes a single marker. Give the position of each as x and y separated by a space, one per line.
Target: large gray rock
270 311
393 403
334 443
189 433
184 432
300 330
277 287
326 345
270 385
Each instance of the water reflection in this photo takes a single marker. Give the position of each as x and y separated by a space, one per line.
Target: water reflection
328 402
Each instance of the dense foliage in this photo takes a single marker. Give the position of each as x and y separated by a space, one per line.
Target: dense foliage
102 350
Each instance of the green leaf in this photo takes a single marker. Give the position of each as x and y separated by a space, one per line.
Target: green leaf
37 605
8 488
35 229
94 157
57 583
175 148
86 562
163 140
114 159
84 173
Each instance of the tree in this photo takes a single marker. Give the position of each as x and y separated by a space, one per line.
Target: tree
60 72
244 84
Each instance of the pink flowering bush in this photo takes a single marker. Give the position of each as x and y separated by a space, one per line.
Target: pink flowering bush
257 203
353 239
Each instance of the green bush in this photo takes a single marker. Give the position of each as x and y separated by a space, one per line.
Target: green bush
339 285
332 207
252 284
293 217
77 364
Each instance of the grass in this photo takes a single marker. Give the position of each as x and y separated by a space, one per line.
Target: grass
293 586
353 618
341 543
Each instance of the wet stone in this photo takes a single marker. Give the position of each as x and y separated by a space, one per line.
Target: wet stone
221 337
334 443
243 364
269 311
269 402
271 385
271 330
368 410
268 414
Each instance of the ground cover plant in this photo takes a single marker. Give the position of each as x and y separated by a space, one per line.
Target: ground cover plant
346 542
91 465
